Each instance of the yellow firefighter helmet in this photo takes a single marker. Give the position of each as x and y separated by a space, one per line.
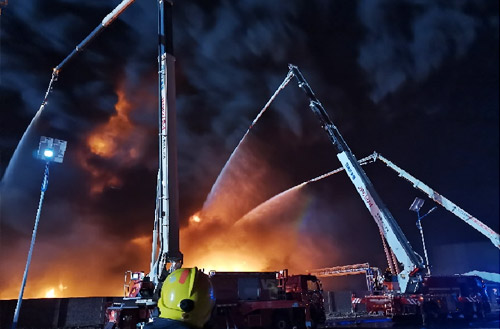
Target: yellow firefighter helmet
187 295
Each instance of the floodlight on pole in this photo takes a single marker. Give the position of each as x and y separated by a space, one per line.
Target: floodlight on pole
416 206
48 153
49 150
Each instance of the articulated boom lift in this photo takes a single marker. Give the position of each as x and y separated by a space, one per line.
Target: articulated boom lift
410 275
443 201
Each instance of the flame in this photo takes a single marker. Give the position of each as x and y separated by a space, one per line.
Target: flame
195 218
56 292
51 293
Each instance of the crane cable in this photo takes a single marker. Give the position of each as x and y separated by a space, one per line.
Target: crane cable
387 252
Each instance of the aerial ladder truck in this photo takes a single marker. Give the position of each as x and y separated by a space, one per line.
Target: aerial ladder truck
142 291
410 275
415 293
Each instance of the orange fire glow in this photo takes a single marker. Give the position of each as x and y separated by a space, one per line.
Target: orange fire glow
100 145
227 236
94 266
104 141
118 141
267 238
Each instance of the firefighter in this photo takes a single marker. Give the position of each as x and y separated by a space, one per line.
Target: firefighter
186 301
388 276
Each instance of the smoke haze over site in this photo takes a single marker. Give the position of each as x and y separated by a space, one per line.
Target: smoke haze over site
416 80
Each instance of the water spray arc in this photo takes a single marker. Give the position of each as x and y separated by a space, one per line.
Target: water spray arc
215 187
287 192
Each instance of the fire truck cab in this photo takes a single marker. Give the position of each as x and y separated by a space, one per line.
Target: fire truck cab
307 289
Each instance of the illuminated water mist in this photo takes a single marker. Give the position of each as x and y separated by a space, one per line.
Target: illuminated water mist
271 236
15 155
236 154
280 200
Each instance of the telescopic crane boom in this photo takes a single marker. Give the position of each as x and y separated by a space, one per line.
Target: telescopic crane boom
432 194
165 247
409 276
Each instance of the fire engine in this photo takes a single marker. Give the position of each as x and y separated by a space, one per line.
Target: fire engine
459 295
407 289
267 300
438 298
450 295
243 300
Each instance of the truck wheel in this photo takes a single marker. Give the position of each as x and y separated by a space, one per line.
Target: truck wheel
481 313
299 319
317 316
468 312
430 313
281 321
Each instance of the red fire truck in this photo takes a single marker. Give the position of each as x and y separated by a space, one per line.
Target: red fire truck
267 300
243 300
439 297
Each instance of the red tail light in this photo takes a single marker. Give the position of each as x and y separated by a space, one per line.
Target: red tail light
113 316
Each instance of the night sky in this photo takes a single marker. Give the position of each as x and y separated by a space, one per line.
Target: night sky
414 80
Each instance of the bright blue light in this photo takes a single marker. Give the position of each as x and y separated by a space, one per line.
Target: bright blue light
48 153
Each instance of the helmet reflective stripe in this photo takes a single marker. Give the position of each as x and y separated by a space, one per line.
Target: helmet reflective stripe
184 275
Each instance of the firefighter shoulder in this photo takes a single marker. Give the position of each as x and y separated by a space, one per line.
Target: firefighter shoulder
187 296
